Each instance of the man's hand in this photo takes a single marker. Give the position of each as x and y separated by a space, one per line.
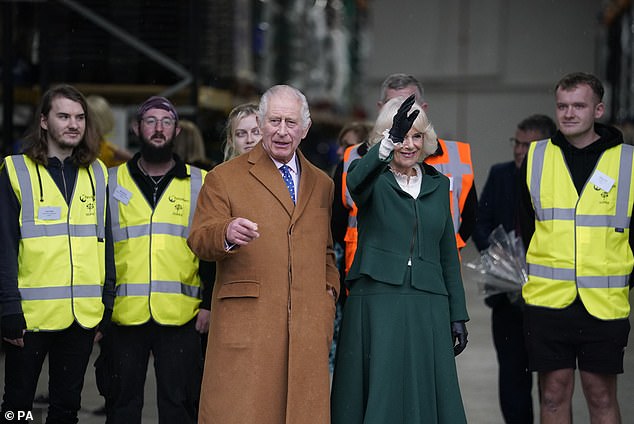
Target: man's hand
331 290
104 325
13 329
202 321
241 231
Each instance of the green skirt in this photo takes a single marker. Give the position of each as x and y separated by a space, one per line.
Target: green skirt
394 361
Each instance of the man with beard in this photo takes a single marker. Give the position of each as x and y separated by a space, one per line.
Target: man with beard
158 306
56 267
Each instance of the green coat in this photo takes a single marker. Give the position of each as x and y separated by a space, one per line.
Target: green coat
394 227
395 358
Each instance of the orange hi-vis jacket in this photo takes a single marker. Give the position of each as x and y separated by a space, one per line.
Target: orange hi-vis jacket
352 234
455 163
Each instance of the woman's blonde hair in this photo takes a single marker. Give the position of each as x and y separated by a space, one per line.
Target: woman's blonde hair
103 117
189 144
384 122
236 114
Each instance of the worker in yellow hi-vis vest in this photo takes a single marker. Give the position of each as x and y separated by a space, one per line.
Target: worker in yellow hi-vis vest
56 269
576 210
159 307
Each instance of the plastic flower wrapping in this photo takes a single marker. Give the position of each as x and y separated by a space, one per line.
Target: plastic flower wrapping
501 268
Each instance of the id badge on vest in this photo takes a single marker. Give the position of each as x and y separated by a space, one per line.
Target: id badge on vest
604 182
122 194
49 213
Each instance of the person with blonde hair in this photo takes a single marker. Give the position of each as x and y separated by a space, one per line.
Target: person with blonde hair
190 146
404 318
103 118
242 130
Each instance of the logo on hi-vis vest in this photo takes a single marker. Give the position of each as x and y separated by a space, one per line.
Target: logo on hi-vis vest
89 203
178 204
604 195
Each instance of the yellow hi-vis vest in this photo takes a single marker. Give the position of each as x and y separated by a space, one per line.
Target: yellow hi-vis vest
61 258
581 243
157 273
455 163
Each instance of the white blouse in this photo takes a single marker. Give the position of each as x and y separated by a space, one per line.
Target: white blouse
410 185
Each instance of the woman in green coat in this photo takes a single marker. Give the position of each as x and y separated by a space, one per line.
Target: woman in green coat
395 360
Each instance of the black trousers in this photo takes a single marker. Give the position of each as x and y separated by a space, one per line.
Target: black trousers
514 379
68 355
177 366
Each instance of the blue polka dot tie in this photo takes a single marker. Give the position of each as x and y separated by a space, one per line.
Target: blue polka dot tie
288 179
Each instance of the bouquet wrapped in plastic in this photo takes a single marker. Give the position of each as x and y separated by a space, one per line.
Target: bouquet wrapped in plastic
501 268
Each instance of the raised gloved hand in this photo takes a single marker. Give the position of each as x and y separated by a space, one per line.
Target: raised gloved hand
459 335
402 123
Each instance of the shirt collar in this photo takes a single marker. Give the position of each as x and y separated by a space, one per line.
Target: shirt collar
291 163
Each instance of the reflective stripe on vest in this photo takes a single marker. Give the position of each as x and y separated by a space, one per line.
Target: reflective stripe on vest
455 163
55 293
157 273
158 287
563 257
351 154
351 237
49 293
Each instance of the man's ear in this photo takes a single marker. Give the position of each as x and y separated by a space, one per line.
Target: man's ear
305 133
43 122
134 126
599 110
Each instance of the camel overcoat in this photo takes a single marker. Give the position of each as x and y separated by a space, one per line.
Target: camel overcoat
272 316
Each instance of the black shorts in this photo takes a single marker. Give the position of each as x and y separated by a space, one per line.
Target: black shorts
562 338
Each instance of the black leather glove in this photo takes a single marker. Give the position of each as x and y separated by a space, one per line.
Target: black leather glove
402 123
13 326
459 335
104 324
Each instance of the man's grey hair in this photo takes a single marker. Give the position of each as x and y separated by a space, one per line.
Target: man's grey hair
278 89
399 81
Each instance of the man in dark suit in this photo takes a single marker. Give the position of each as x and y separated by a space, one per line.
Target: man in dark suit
499 205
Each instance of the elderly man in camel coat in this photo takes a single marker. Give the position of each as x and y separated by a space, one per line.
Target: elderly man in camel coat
274 298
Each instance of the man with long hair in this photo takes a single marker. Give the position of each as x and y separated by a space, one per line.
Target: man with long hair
57 270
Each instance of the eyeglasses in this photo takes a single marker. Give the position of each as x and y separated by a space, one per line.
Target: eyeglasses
151 121
517 143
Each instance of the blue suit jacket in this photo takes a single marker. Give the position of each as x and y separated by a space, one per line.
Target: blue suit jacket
498 203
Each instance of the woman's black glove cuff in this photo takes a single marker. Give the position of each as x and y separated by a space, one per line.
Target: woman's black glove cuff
459 335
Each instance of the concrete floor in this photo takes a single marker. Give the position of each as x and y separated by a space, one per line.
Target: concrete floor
477 368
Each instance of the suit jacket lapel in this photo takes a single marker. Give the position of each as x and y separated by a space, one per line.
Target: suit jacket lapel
263 169
307 180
